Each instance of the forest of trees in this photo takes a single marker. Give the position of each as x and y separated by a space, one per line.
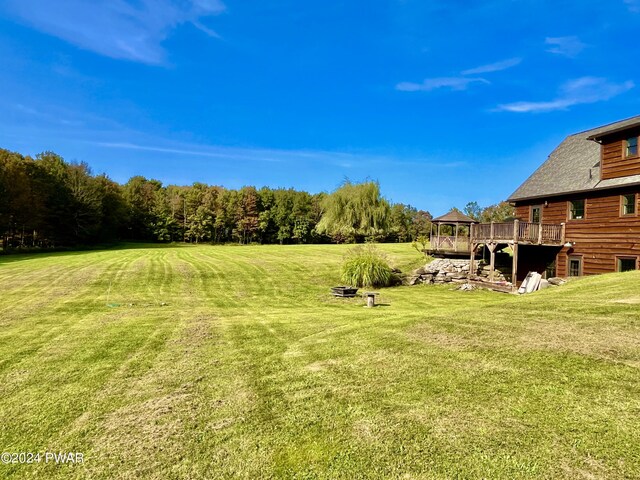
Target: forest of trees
46 202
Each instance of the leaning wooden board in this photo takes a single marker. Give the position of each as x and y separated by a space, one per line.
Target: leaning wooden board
530 283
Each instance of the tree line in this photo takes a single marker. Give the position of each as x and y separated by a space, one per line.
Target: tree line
46 202
499 212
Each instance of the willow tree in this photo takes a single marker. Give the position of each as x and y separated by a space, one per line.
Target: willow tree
355 212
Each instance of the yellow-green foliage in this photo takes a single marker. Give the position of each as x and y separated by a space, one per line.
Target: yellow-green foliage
355 211
366 266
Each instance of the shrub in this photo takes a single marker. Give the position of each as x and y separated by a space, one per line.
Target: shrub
366 266
421 243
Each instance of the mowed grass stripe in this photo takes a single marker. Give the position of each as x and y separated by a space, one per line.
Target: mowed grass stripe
46 285
218 280
54 323
252 370
253 277
247 281
50 314
129 345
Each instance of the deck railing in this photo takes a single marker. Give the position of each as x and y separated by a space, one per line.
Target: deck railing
481 230
529 232
552 233
450 243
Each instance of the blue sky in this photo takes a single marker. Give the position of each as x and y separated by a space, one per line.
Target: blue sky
443 102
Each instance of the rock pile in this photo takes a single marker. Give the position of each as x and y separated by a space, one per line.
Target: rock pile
485 270
444 270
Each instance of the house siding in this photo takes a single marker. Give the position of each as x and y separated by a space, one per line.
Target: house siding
601 237
614 162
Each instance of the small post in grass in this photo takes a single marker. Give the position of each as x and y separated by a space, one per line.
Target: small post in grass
371 299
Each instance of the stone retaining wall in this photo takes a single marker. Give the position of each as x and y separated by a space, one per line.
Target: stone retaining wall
444 270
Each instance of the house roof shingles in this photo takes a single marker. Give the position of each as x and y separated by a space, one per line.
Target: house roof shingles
454 216
574 166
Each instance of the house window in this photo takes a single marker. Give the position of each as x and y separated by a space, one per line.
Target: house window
632 147
576 210
536 213
626 264
629 204
575 266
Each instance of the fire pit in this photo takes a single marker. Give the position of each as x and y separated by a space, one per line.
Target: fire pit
345 292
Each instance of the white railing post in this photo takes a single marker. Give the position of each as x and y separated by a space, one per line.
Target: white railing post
540 234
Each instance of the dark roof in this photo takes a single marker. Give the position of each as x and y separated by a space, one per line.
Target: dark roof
574 166
615 128
454 216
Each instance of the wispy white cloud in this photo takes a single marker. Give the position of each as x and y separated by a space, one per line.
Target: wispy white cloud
336 158
574 92
567 46
493 67
122 29
205 29
43 114
198 151
460 82
47 116
452 83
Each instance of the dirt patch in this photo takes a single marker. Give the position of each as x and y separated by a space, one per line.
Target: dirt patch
449 340
136 434
185 270
198 331
590 469
321 365
365 430
221 424
630 300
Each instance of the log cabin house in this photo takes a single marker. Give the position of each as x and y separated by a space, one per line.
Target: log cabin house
577 214
589 188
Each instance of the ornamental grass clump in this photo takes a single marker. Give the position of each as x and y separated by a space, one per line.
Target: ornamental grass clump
366 266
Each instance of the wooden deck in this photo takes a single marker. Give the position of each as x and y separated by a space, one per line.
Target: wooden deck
495 236
514 234
509 233
527 233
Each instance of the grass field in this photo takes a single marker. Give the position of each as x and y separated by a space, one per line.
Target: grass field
215 362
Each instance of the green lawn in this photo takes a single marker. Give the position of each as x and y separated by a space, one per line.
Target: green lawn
215 362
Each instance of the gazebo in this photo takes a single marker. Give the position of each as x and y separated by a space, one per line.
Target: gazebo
451 244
